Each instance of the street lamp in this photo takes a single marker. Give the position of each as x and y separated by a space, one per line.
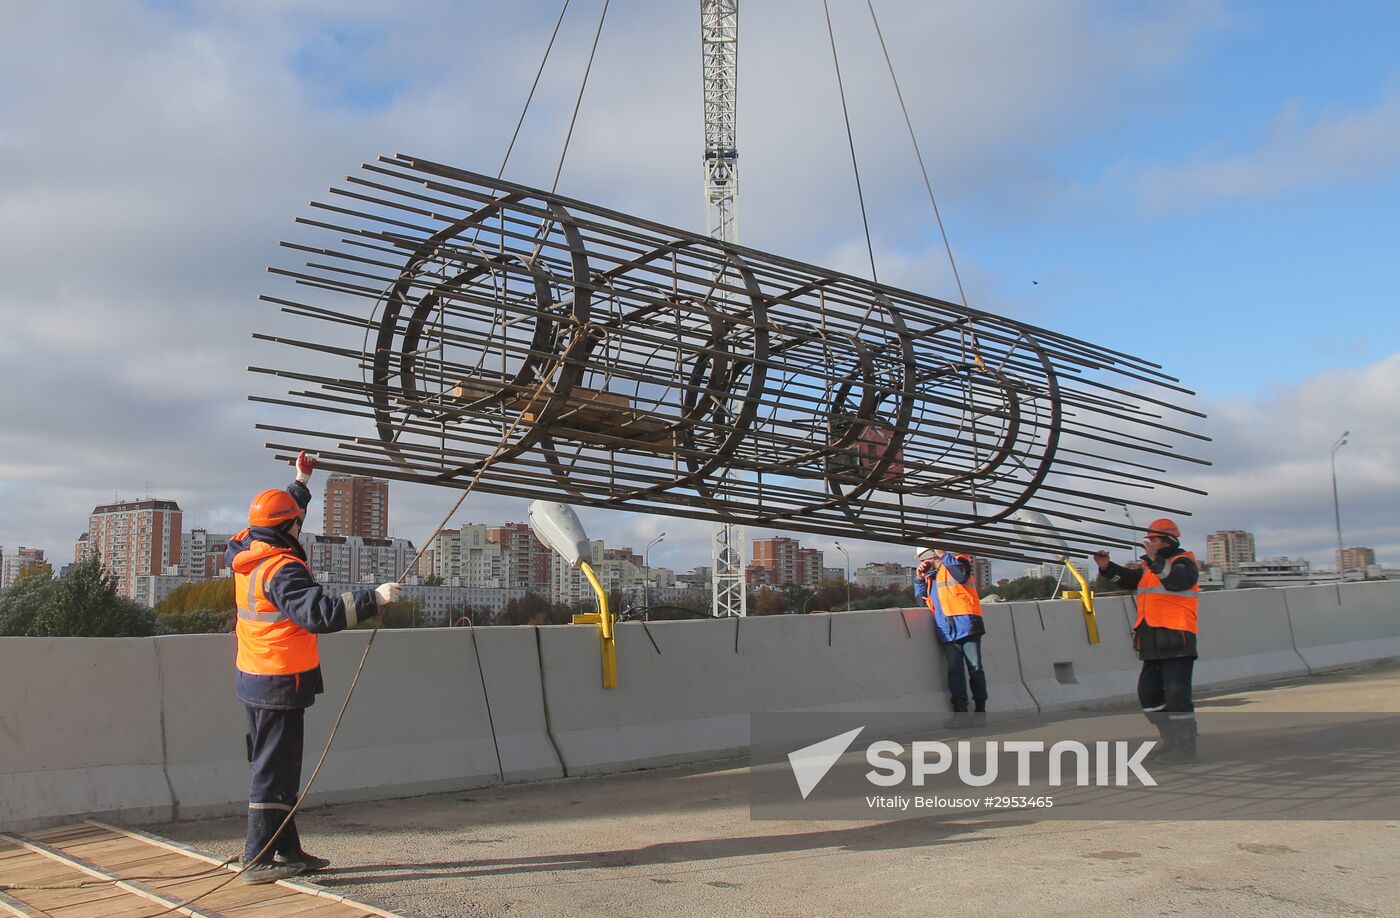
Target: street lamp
1337 511
646 569
842 549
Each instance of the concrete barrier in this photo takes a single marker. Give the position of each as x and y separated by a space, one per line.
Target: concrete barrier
1245 638
1061 668
511 663
1364 628
80 730
418 722
146 729
205 752
683 700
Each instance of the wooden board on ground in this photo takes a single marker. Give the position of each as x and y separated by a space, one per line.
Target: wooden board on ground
95 870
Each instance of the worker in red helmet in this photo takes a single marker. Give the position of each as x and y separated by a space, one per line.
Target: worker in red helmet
1164 635
281 609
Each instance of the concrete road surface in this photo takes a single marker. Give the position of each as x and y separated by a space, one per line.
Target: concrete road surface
680 842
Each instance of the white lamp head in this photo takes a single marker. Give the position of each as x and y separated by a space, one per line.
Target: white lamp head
557 526
1039 532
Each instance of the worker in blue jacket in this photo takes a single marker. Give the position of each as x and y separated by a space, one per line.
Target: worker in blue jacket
281 610
944 581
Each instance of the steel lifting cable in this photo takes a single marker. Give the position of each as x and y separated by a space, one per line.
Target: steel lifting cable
923 170
850 141
967 331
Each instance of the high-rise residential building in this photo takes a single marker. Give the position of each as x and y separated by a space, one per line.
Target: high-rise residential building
525 561
356 506
134 539
1349 559
788 562
465 557
1228 549
354 559
982 573
202 555
18 564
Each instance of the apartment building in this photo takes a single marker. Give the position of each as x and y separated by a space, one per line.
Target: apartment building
202 555
134 539
24 561
1348 559
1227 549
356 506
356 559
788 562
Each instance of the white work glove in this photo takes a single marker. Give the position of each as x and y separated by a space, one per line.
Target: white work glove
387 593
306 464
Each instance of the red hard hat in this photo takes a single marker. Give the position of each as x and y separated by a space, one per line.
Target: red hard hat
272 507
1164 527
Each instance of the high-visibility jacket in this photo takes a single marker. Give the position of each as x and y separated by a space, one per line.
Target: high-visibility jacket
957 598
957 624
1159 607
270 643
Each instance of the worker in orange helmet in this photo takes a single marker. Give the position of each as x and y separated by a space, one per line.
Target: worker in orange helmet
1164 635
281 609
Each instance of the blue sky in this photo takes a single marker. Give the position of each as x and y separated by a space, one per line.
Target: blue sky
1211 185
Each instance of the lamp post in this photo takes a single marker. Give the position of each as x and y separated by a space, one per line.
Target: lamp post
1337 511
646 570
842 549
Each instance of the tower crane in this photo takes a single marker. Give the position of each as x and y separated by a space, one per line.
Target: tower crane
719 56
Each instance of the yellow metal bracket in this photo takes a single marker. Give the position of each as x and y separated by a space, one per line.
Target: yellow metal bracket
604 620
1085 596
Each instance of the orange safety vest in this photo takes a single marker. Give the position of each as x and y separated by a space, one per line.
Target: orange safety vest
269 642
1162 608
956 598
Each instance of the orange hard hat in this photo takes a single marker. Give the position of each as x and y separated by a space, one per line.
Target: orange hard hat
1164 527
273 507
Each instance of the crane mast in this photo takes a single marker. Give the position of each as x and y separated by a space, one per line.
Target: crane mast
719 54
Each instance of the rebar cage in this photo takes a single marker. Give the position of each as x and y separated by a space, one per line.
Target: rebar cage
603 360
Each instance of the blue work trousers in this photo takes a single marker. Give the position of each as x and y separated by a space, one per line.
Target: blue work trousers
1165 686
965 654
276 738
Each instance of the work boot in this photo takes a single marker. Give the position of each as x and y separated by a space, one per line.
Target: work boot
264 873
1181 743
310 863
1165 738
960 716
979 706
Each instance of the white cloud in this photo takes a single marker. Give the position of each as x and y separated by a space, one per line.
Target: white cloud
1294 153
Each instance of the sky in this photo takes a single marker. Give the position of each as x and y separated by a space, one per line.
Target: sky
1210 185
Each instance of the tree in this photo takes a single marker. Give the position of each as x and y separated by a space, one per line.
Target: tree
211 595
84 603
19 605
769 601
1026 588
432 580
199 621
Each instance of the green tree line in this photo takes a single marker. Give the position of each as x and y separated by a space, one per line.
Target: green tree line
82 603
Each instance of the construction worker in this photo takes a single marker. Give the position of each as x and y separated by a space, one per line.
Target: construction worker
1164 635
281 609
944 581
